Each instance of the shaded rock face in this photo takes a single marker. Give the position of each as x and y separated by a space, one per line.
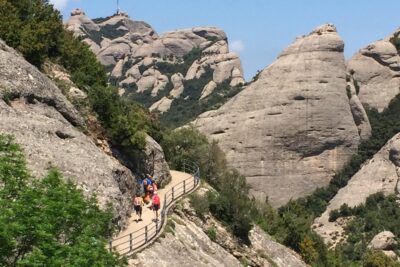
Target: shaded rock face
377 71
131 50
42 121
187 244
380 174
289 131
279 254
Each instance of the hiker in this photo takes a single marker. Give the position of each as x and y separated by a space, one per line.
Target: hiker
156 204
150 189
137 205
155 187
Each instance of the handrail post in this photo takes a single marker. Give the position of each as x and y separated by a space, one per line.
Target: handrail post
184 186
157 226
130 242
110 245
145 234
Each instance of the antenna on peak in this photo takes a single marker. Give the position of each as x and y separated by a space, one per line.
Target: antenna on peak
118 9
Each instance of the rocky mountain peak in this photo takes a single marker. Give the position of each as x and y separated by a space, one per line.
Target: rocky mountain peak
325 28
293 128
376 68
143 63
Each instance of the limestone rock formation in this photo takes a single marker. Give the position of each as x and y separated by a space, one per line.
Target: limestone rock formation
42 121
187 244
376 68
289 131
279 254
146 64
383 241
380 174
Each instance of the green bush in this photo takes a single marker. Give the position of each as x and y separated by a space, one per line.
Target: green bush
212 234
378 259
48 222
36 30
200 204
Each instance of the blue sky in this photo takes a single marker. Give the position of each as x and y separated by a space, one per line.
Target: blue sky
258 29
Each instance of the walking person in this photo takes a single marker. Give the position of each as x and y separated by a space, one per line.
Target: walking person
156 204
138 206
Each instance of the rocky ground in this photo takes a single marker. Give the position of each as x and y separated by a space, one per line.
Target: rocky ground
50 130
186 243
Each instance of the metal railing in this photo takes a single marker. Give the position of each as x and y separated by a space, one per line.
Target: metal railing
133 241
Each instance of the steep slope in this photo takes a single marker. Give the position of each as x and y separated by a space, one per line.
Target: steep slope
289 131
380 174
42 120
186 243
183 68
376 68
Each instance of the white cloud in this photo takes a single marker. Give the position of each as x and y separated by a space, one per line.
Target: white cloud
59 4
237 46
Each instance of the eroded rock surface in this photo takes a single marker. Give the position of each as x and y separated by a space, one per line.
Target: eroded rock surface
379 174
376 68
42 121
187 244
132 52
289 131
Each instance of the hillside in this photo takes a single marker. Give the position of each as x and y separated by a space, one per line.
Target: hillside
295 126
179 74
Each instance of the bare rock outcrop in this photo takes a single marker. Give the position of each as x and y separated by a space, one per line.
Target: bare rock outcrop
136 56
289 131
42 120
379 174
279 254
376 68
187 244
385 240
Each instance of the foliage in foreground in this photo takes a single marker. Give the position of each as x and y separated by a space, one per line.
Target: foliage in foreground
48 222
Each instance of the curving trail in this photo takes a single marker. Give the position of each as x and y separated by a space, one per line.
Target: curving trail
138 234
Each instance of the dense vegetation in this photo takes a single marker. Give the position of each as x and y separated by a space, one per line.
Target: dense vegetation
48 222
35 29
189 105
378 214
186 108
291 225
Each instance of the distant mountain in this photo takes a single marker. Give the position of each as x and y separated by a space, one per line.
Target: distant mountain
179 74
377 71
298 124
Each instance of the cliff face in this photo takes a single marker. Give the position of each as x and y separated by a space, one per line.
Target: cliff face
379 174
43 121
187 244
289 131
156 70
376 68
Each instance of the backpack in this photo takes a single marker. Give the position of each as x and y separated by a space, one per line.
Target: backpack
156 200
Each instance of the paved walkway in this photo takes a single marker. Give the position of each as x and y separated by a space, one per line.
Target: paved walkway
134 235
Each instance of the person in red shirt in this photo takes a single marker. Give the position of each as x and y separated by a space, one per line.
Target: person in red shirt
156 203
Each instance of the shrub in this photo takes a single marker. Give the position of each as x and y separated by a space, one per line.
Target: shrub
48 222
378 259
212 234
200 204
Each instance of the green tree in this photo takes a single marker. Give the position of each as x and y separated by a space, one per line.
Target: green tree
31 26
48 222
378 259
